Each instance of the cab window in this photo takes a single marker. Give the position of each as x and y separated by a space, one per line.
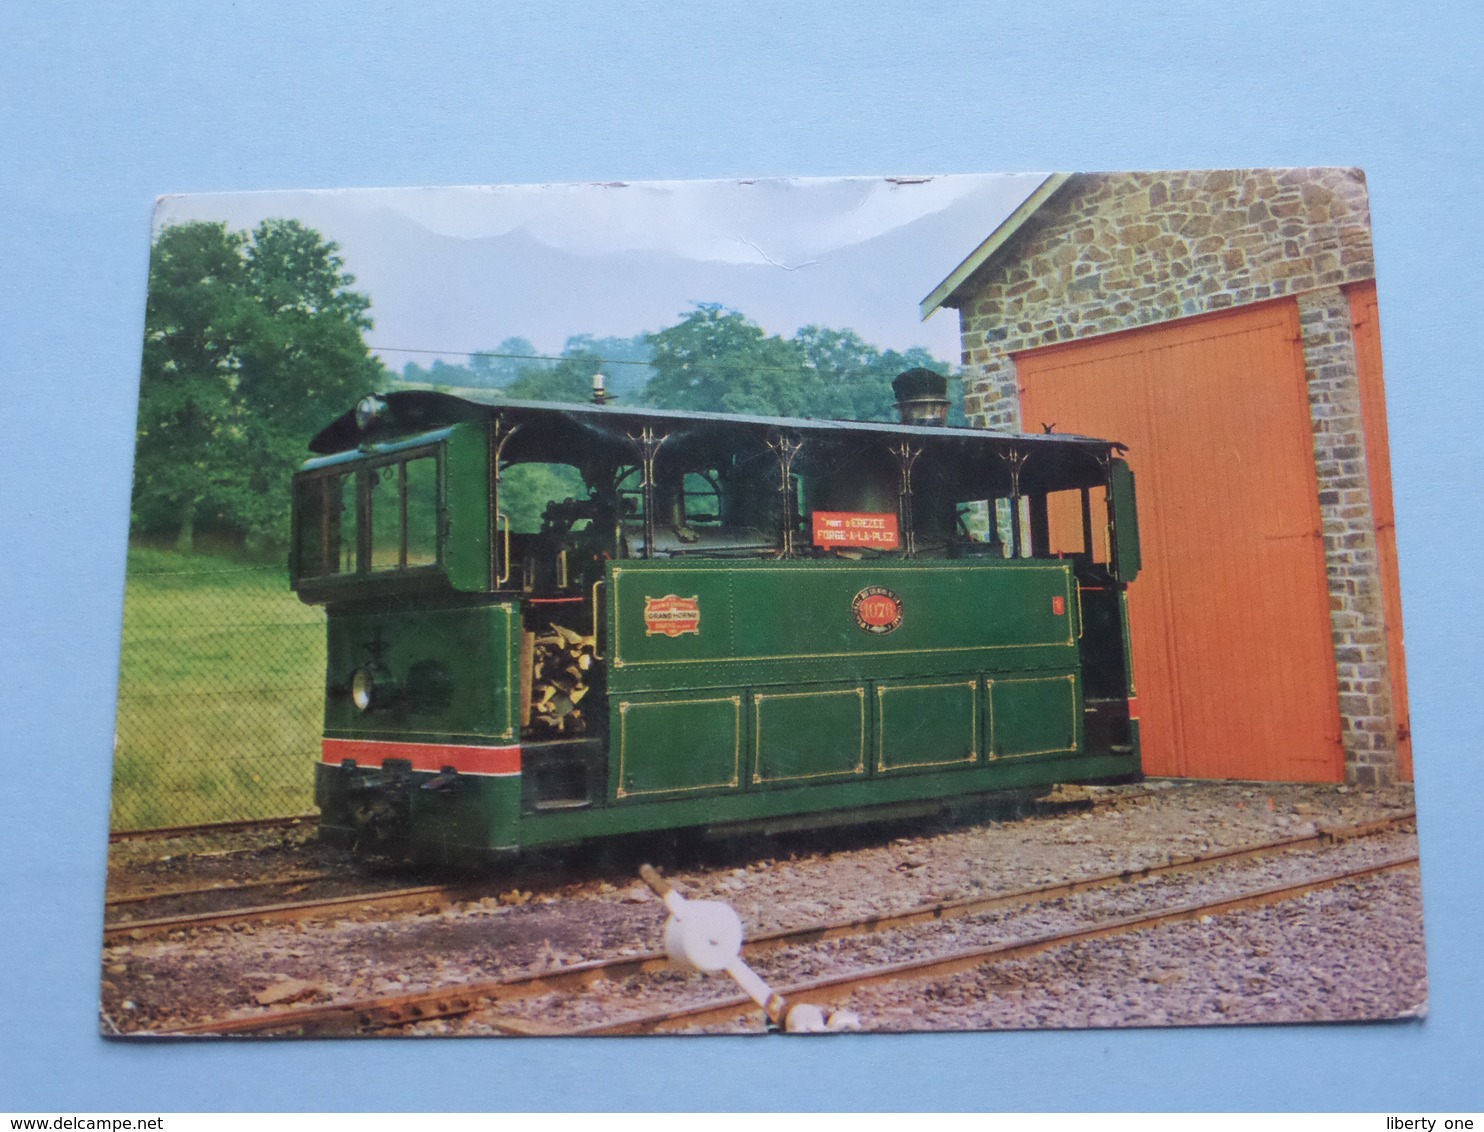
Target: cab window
368 519
404 513
325 535
528 491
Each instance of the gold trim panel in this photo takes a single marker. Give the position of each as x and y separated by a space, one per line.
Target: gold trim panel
882 689
757 735
623 712
1070 678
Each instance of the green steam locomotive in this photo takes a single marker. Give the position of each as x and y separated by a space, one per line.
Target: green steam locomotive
549 622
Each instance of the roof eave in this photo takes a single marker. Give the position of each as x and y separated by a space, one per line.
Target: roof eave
943 294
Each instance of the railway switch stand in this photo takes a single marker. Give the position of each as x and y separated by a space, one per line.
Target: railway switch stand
707 936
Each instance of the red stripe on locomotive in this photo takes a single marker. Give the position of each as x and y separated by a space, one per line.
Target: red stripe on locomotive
423 756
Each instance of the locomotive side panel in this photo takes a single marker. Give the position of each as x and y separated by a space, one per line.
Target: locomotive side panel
784 622
726 677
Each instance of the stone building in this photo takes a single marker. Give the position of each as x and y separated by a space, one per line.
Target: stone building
1223 324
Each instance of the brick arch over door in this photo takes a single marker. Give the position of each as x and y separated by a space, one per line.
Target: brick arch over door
1233 655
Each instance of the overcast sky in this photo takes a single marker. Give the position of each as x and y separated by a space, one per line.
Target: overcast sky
452 270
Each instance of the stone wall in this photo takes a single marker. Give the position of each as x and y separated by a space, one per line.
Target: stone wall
1113 252
1357 611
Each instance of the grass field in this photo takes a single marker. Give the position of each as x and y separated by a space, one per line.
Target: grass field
221 685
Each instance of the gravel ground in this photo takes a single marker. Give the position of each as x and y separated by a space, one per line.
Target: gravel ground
1350 952
899 1007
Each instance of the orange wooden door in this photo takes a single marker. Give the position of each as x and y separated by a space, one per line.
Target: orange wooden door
1233 658
1367 328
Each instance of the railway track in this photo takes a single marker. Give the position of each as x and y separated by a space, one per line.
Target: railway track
360 1015
714 1011
393 900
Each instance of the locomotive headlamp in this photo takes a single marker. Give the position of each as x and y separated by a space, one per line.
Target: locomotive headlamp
370 412
371 688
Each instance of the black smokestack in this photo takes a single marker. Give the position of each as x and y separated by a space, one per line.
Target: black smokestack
922 397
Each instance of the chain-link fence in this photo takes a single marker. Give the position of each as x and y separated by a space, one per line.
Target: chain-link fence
221 688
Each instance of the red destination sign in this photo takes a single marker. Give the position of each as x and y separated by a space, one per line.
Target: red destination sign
672 615
856 529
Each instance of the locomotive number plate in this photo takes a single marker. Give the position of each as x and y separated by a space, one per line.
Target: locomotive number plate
877 609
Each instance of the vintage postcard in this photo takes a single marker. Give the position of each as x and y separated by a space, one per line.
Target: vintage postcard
812 605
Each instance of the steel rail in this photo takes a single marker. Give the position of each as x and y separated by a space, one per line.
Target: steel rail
401 899
405 1008
724 1010
161 833
212 889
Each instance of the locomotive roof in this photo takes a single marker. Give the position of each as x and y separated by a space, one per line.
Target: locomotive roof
419 410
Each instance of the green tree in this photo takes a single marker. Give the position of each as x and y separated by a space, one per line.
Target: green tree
440 373
569 380
625 361
717 360
493 368
186 397
850 379
846 381
252 343
509 361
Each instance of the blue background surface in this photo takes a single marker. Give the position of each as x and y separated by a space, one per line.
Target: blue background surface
103 107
